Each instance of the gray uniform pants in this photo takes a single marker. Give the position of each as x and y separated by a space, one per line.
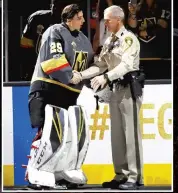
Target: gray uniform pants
126 136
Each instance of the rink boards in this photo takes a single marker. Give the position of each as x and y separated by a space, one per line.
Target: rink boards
156 126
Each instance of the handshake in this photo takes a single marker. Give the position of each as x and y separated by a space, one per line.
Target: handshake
76 78
96 82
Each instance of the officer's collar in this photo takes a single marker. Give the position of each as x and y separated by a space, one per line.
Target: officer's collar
120 32
73 33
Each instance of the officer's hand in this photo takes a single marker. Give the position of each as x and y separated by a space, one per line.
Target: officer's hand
76 78
97 82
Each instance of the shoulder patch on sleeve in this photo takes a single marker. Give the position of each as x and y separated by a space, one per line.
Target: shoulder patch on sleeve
129 41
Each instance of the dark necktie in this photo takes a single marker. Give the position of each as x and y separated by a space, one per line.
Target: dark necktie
111 44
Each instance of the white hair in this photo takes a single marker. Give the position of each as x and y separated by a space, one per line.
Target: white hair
116 11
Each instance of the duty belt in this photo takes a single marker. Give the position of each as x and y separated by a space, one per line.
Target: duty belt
125 81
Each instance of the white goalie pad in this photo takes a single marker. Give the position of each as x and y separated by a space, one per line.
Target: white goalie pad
79 135
62 148
74 176
79 128
52 147
83 138
40 177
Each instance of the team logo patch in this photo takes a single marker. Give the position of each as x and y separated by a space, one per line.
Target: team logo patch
56 56
129 41
74 45
80 61
143 25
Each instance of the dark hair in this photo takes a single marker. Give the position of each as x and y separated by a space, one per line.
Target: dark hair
102 6
70 11
143 3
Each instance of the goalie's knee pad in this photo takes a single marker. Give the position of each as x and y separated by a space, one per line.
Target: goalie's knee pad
50 149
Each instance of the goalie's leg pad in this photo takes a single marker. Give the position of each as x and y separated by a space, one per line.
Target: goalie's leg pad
79 133
79 127
83 136
52 147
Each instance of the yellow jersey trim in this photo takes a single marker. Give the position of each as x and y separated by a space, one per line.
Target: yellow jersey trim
57 83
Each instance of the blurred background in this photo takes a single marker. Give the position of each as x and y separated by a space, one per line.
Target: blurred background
155 55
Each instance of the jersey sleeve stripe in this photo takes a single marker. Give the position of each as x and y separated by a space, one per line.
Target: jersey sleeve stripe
58 68
54 64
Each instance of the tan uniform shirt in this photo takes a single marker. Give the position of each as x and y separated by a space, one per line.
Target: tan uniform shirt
119 57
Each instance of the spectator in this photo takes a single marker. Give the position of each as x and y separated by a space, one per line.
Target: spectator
150 22
101 33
